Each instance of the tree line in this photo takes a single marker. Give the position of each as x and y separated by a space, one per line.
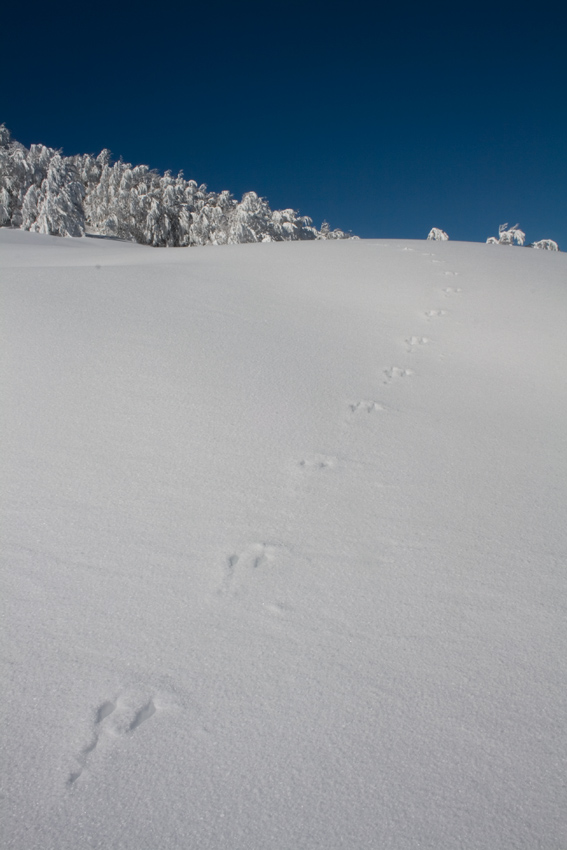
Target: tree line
43 191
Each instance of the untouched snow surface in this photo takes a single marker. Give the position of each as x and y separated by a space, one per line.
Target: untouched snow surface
283 546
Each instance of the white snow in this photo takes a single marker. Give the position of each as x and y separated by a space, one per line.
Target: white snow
283 546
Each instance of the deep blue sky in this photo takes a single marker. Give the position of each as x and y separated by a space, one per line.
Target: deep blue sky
384 119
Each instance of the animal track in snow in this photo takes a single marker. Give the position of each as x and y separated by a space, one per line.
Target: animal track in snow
451 274
142 715
103 711
126 715
396 372
278 609
449 290
318 461
240 569
434 314
414 341
365 406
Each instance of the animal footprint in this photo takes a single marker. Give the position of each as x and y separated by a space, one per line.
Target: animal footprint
414 341
396 372
278 609
451 274
126 715
142 715
434 314
365 407
240 569
318 462
450 291
105 710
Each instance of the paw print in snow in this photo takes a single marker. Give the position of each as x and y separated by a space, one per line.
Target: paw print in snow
395 372
414 341
240 570
112 720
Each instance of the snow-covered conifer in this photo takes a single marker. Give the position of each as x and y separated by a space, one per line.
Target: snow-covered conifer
60 208
437 235
5 136
251 219
30 207
545 245
509 236
327 233
15 178
4 207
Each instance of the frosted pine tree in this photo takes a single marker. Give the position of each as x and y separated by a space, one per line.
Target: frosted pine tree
437 235
508 236
289 225
17 174
545 245
327 233
30 207
60 203
5 215
251 220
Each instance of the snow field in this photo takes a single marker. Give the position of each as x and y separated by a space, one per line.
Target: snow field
283 545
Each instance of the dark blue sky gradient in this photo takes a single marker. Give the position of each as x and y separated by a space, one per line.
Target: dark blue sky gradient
383 119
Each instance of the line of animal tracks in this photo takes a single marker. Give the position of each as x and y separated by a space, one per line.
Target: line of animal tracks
120 717
242 568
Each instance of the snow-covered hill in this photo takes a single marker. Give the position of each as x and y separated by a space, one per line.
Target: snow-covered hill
283 546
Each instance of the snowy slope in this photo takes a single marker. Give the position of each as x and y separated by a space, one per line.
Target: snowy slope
283 546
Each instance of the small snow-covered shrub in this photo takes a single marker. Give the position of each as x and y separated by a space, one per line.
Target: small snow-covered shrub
327 233
545 245
437 235
507 236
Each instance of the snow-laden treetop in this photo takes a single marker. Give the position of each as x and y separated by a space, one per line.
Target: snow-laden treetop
43 191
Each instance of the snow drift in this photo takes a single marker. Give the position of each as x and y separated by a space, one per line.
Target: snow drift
283 546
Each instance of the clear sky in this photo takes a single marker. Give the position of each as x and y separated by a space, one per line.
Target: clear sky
385 120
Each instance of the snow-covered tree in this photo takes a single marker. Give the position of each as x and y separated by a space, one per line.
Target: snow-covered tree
508 236
30 207
437 235
59 201
39 189
545 245
327 233
5 216
19 169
